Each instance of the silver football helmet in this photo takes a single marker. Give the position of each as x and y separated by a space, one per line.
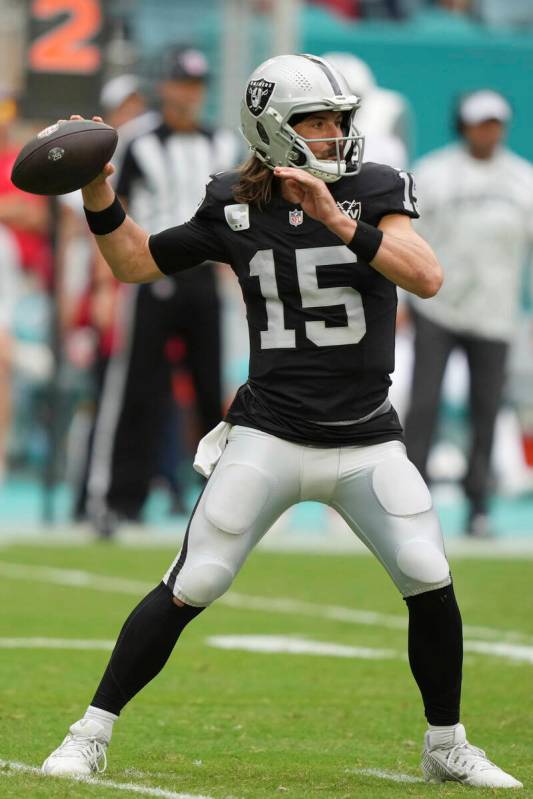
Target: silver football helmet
298 84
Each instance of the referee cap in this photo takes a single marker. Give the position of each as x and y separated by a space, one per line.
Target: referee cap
185 63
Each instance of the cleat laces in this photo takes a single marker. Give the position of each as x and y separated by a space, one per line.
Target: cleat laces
468 758
89 749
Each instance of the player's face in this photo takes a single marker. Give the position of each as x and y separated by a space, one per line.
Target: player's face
321 125
482 139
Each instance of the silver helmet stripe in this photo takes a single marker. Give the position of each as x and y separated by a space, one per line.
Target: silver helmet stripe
327 72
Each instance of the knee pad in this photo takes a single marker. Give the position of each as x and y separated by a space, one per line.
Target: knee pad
201 584
399 487
423 562
236 498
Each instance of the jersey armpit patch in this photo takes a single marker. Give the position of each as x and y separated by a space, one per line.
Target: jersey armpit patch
238 216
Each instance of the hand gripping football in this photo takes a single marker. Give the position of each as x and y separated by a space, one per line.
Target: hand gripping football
64 157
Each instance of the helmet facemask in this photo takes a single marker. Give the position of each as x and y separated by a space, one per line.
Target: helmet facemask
348 152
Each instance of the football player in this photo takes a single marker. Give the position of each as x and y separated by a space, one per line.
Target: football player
319 242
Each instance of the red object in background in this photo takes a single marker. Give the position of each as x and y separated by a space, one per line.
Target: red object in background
34 248
345 8
527 443
182 384
175 350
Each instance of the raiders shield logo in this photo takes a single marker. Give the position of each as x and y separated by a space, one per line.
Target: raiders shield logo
351 208
258 94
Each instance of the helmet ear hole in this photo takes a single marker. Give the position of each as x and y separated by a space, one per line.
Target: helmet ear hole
297 157
263 135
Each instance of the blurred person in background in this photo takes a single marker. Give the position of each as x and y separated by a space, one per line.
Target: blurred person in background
125 107
25 253
162 179
26 215
9 279
477 200
371 9
384 117
92 298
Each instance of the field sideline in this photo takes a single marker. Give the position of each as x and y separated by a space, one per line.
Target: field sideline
296 683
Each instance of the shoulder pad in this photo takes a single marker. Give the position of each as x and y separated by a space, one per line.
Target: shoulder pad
218 193
378 178
221 186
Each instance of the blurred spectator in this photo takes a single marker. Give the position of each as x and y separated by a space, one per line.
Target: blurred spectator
370 9
457 6
26 215
345 8
162 180
384 117
9 277
124 107
477 213
499 14
24 250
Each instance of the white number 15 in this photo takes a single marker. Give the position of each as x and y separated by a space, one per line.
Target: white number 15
307 260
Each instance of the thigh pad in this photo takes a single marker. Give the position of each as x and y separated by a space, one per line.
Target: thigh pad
400 488
236 497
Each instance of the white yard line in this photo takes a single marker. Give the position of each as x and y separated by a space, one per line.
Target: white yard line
55 643
12 767
517 652
352 616
295 645
383 775
74 577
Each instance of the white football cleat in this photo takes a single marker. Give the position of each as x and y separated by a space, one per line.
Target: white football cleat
459 761
82 753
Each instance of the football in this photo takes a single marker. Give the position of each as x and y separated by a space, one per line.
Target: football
64 157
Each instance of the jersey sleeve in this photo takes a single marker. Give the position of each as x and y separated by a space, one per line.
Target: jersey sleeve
398 196
187 245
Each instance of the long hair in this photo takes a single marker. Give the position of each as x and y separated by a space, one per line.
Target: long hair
255 182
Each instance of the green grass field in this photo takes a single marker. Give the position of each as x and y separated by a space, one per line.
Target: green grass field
246 724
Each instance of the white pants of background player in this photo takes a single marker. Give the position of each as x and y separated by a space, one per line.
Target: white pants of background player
376 489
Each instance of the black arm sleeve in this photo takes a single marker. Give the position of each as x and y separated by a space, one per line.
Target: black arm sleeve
181 247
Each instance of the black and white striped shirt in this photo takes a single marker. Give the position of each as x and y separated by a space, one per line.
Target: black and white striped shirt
164 173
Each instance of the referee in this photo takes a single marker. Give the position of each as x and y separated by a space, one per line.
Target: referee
162 179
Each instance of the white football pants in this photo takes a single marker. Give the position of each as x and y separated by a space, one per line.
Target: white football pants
376 489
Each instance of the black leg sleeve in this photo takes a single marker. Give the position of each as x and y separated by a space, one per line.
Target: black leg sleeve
436 653
143 647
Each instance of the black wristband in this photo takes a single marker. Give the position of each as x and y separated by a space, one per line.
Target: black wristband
366 241
106 221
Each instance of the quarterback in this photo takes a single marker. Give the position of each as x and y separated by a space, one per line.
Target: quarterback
318 241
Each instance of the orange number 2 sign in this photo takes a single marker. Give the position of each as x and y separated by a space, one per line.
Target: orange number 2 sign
67 47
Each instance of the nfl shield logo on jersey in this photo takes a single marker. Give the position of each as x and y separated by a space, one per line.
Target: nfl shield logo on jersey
296 217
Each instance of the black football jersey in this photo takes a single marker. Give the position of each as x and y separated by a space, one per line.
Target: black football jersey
321 321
